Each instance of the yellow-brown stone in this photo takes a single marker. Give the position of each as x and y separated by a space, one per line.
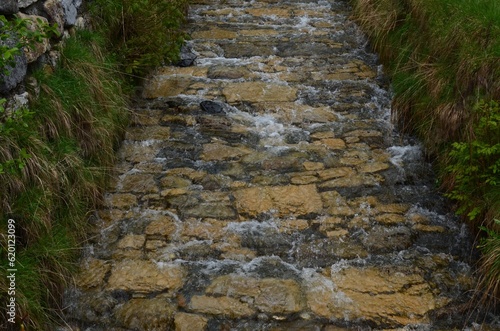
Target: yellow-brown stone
285 200
92 273
189 322
145 276
218 151
220 306
214 33
259 92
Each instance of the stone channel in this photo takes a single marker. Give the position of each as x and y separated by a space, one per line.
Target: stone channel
261 186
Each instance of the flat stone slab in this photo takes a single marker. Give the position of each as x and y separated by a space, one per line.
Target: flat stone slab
259 92
280 200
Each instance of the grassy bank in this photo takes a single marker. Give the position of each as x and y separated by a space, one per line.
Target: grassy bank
55 156
444 61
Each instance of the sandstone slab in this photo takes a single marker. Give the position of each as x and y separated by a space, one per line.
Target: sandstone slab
145 276
284 200
225 306
189 322
276 296
259 92
146 314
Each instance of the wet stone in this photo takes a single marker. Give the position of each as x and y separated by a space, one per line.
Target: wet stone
382 239
260 186
297 200
138 183
220 306
223 72
259 92
93 274
189 322
146 314
145 277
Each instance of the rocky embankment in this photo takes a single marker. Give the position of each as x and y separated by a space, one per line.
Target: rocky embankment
263 188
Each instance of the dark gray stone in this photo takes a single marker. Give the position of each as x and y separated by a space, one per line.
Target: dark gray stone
212 107
187 57
14 72
8 7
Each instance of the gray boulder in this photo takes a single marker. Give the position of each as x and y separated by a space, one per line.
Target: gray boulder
70 11
8 7
13 73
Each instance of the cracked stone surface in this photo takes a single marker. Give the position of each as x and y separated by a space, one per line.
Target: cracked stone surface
264 188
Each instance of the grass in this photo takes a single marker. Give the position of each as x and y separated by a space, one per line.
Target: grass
143 34
75 124
55 156
444 60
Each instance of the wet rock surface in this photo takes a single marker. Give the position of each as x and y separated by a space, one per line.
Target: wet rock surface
261 186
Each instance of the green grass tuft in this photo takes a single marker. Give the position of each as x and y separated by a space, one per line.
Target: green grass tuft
444 60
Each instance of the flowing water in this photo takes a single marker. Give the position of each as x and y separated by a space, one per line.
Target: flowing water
263 187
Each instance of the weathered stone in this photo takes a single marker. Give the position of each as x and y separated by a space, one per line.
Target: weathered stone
214 33
390 219
25 3
310 166
208 229
38 48
276 296
258 32
92 274
190 322
221 210
174 182
219 151
141 151
285 200
16 71
353 181
165 86
303 180
162 226
122 200
223 72
237 254
393 208
385 296
145 277
155 245
294 113
293 225
55 11
383 239
277 12
70 11
146 314
332 143
9 7
336 172
132 241
220 306
259 92
429 228
148 133
373 167
139 183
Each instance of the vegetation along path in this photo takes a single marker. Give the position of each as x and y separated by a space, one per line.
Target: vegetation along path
264 188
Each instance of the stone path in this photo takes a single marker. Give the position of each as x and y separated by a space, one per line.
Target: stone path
263 188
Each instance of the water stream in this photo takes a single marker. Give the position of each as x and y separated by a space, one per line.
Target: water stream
265 188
